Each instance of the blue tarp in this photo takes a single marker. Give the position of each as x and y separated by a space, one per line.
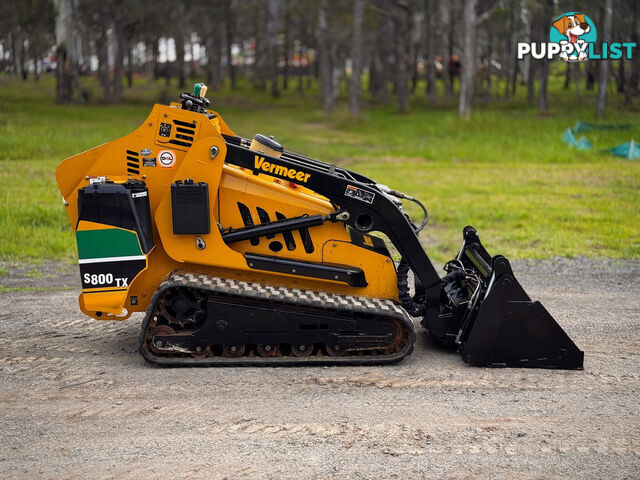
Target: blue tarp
630 150
581 143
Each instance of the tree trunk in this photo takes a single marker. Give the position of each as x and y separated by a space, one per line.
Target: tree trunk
287 45
102 52
271 35
228 28
383 56
414 46
468 58
37 66
179 42
400 39
510 63
193 65
431 47
489 60
603 74
590 76
129 65
156 54
515 65
300 86
575 74
447 68
178 39
526 63
356 59
336 72
24 61
14 57
531 89
302 70
213 58
258 64
620 76
119 60
150 61
543 101
631 89
85 47
66 51
324 51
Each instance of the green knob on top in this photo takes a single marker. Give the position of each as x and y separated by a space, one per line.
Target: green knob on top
196 89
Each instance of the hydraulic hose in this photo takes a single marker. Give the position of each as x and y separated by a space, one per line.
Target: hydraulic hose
424 209
398 194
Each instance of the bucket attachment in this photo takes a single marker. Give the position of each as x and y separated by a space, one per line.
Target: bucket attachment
486 314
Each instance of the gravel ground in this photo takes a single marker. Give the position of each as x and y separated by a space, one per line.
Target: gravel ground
77 401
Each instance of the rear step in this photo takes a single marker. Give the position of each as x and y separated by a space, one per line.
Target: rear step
488 316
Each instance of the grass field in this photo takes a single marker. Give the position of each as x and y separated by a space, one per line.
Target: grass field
506 171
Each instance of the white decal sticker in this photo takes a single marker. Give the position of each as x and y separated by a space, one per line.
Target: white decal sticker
167 159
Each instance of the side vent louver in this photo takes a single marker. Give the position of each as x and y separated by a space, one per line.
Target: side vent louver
133 162
264 217
245 213
288 236
184 133
306 239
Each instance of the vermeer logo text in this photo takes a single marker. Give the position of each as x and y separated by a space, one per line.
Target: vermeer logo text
280 170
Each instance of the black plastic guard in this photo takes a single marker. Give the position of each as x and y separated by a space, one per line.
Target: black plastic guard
510 330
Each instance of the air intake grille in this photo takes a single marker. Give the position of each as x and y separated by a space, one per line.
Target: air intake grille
264 217
288 236
245 213
306 239
133 162
184 133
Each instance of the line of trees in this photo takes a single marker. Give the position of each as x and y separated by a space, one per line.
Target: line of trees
464 45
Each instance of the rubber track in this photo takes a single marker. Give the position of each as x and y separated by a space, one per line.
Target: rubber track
241 289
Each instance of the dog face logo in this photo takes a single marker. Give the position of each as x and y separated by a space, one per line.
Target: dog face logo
573 26
573 31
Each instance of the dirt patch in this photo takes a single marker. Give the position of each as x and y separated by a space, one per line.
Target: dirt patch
44 275
77 400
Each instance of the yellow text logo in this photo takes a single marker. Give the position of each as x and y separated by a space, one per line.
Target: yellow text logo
290 173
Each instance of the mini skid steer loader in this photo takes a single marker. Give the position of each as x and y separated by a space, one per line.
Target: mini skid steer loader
243 253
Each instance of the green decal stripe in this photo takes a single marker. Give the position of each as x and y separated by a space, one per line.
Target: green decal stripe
112 242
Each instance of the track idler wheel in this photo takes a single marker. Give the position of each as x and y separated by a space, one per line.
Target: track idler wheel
233 351
302 350
335 351
269 350
202 352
